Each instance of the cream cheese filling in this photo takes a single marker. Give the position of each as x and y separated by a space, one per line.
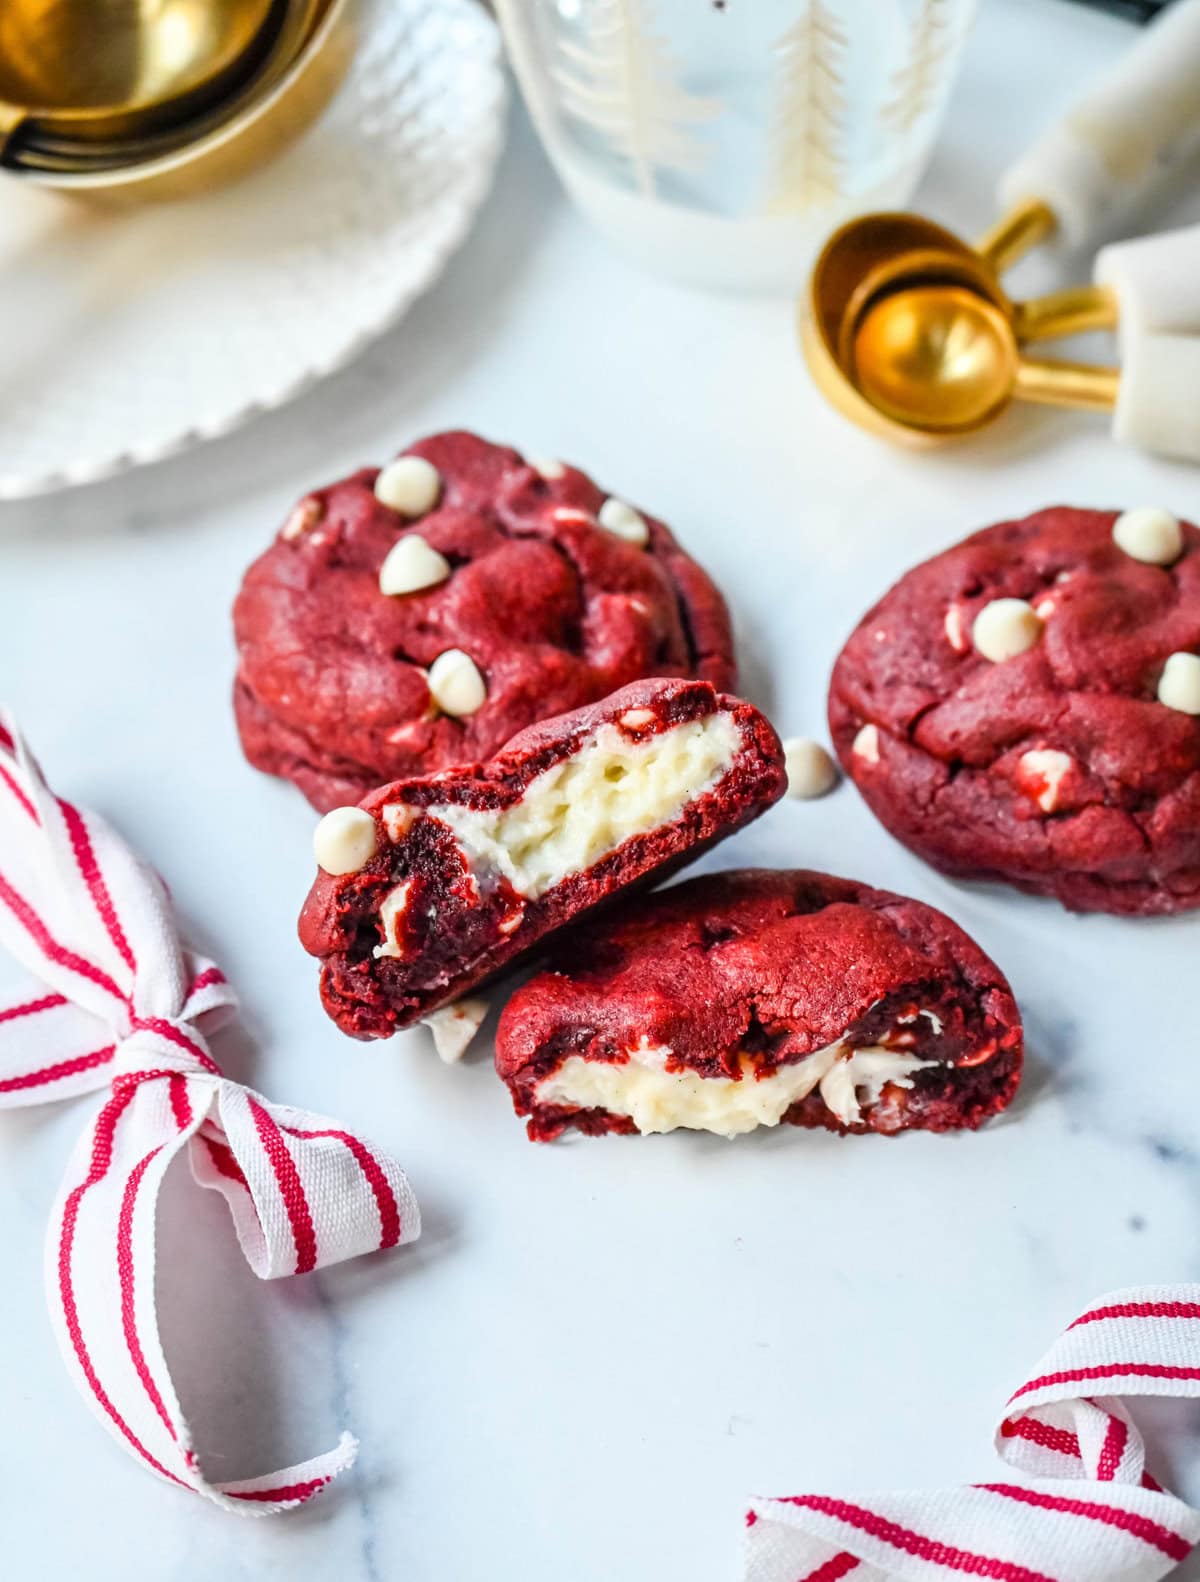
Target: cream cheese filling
658 1100
583 808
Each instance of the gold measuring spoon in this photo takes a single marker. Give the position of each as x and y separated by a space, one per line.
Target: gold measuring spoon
105 69
906 328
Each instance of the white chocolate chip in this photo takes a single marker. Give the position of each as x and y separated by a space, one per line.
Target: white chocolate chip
811 772
546 467
344 840
303 516
395 904
411 564
397 819
410 485
572 513
1043 771
955 632
636 719
1005 628
1149 534
454 1026
455 683
1179 684
866 744
624 521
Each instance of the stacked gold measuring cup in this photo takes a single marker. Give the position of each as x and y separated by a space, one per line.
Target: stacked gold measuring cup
139 99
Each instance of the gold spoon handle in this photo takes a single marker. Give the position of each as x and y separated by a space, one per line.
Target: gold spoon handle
11 118
1080 385
1072 311
1015 233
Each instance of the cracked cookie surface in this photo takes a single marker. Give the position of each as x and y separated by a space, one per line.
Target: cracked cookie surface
745 999
517 590
1057 766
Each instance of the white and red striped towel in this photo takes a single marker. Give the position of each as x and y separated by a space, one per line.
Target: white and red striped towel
119 1005
1088 1512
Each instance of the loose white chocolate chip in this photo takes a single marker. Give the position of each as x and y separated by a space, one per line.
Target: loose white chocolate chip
454 1026
344 840
455 683
1149 534
547 468
624 521
412 564
1005 628
811 772
1179 684
866 744
1043 771
410 485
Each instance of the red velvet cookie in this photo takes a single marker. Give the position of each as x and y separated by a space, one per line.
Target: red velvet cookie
546 594
745 999
433 885
1025 707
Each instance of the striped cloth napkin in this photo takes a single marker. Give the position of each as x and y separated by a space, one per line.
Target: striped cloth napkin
117 1005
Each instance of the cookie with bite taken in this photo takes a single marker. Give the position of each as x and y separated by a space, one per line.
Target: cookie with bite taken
746 999
433 885
417 616
1026 707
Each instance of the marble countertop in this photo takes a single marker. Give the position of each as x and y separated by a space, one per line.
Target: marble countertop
597 1348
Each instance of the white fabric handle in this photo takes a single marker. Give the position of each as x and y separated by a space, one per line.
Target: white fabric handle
118 1005
1130 133
1088 1510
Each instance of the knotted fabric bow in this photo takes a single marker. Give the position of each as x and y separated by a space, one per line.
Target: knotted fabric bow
120 1006
1090 1511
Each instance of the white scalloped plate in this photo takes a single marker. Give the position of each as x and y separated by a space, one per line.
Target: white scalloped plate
129 336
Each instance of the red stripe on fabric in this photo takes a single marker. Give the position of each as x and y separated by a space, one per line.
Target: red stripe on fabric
89 868
1109 1370
181 1105
226 1165
291 1188
102 1152
916 1544
125 1276
172 1034
1140 1310
833 1570
385 1198
751 1518
1067 1444
1152 1533
1112 1450
206 979
6 740
292 1491
48 1002
48 945
64 1068
19 794
1151 1483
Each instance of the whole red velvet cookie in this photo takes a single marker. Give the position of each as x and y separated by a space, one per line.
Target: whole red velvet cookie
1026 707
432 885
408 619
745 999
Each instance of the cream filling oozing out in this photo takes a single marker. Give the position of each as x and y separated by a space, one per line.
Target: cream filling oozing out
580 810
658 1100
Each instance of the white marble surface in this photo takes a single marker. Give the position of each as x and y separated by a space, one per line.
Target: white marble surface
597 1348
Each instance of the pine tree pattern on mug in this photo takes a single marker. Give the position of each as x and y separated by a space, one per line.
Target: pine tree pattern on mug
917 84
807 160
621 81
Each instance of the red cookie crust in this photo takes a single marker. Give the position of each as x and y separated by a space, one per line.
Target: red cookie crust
460 929
556 611
1123 832
773 965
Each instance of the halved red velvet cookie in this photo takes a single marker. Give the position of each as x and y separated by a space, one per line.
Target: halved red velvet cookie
744 999
1026 707
417 616
438 883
